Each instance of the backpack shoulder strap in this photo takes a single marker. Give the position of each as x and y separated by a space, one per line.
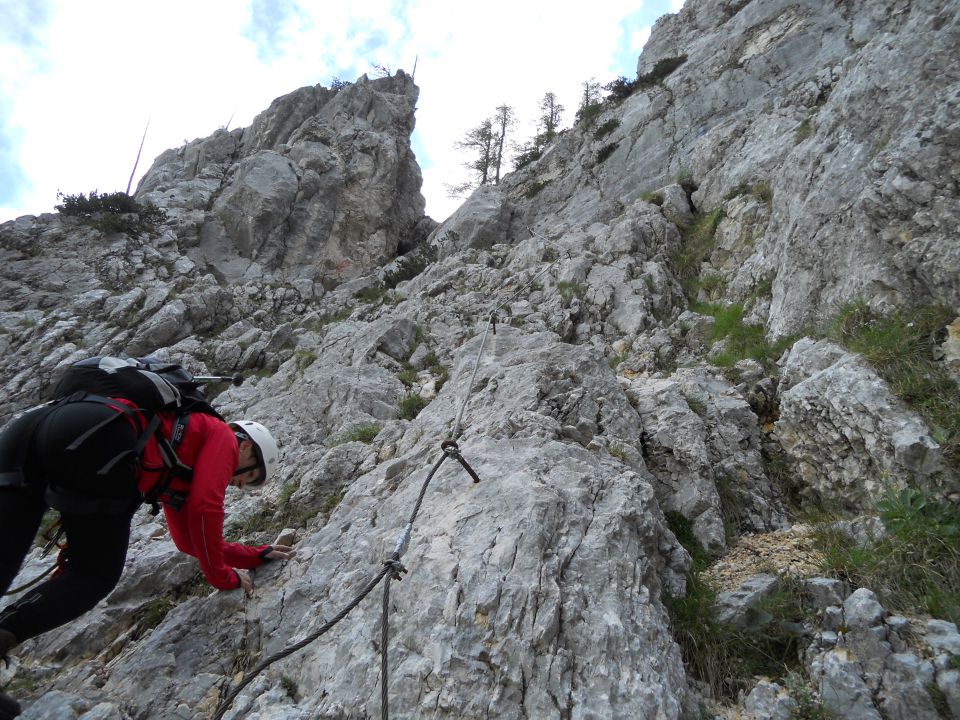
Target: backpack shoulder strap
162 492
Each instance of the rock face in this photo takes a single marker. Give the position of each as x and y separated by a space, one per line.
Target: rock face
323 185
828 140
835 413
596 412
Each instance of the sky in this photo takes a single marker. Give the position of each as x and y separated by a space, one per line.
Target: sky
82 83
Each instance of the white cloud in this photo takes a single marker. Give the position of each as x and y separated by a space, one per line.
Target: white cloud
190 65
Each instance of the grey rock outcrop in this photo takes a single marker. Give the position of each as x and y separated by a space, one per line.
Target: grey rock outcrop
323 185
837 414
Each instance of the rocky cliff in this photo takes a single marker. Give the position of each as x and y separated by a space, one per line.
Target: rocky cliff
778 156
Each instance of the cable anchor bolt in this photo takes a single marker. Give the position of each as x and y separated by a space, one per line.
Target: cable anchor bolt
451 448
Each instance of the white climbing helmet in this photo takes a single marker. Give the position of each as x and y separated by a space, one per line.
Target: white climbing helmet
265 447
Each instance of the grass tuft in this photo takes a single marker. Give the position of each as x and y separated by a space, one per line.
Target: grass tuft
915 567
900 347
725 658
411 405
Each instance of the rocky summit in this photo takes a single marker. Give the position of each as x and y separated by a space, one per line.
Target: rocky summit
775 161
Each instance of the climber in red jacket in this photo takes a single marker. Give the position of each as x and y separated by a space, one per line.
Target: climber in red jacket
98 484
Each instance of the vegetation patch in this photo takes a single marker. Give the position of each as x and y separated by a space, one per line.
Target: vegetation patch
696 243
439 371
305 358
654 197
527 157
743 340
535 188
411 405
327 318
331 501
153 613
900 347
606 151
915 567
621 88
568 290
726 658
608 127
804 130
588 114
410 265
111 212
364 432
274 516
372 294
760 189
661 70
408 376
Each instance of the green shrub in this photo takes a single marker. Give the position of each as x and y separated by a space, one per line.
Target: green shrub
441 373
661 69
804 130
763 191
606 151
619 452
588 114
608 127
713 285
915 567
653 197
408 376
289 686
620 89
372 294
696 244
900 347
411 405
807 706
410 265
274 516
331 501
111 212
305 358
535 188
153 613
742 340
527 157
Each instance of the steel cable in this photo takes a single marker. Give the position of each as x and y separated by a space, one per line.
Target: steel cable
393 567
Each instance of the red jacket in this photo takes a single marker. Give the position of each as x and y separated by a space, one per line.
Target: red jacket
210 448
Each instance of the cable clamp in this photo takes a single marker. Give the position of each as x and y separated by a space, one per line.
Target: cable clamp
396 568
402 542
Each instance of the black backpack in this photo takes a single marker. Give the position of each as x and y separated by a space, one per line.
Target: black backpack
154 386
151 384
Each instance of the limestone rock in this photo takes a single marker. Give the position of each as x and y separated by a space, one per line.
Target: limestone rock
323 185
849 434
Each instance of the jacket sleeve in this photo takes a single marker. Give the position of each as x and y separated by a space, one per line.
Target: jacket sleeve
197 529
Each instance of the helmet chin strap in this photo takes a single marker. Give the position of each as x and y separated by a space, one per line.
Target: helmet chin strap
247 468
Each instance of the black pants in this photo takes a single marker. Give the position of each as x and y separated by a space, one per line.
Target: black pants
96 522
